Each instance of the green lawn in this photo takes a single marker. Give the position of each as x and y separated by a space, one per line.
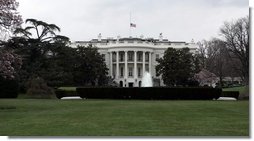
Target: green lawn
31 117
241 89
68 88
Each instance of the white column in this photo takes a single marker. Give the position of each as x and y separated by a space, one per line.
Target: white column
117 65
135 64
125 65
150 63
111 63
144 63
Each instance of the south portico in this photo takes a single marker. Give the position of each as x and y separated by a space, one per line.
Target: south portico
127 65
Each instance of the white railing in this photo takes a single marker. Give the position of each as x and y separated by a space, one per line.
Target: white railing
136 44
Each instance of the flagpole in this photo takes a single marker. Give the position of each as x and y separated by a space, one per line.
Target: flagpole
130 24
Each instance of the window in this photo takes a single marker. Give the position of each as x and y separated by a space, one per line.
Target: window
121 57
121 71
139 72
147 68
139 57
130 55
157 56
130 71
114 57
147 57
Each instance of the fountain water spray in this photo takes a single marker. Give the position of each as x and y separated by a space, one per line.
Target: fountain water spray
147 80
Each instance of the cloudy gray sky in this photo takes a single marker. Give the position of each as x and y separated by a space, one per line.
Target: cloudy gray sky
178 20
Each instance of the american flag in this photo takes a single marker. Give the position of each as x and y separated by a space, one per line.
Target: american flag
133 25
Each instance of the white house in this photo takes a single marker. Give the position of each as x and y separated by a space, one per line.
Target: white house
128 58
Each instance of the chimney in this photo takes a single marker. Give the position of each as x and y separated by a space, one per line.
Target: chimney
99 37
160 37
192 41
118 37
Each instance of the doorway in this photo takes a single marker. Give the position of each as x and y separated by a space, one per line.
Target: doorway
130 84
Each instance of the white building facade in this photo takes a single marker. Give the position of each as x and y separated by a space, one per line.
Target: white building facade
128 58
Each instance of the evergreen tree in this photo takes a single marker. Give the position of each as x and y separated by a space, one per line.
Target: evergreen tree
90 68
176 67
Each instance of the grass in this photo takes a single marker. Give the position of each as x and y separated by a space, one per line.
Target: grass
68 88
41 117
241 89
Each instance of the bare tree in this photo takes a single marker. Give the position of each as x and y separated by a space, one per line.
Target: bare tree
217 58
236 35
214 57
202 53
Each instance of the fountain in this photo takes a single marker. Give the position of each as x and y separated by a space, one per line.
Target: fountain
147 80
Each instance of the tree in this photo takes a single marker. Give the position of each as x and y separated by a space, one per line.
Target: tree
59 67
176 67
236 35
202 53
215 58
10 63
44 32
38 44
90 67
37 47
9 17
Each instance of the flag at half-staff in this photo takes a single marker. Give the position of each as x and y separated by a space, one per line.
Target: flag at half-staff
132 25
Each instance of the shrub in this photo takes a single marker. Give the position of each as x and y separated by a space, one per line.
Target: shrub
150 93
37 88
244 95
8 88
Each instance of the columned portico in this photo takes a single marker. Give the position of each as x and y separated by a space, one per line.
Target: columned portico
128 68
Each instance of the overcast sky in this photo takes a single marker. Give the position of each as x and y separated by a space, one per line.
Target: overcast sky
178 20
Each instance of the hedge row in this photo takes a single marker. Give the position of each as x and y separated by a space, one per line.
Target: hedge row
8 88
150 93
234 94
